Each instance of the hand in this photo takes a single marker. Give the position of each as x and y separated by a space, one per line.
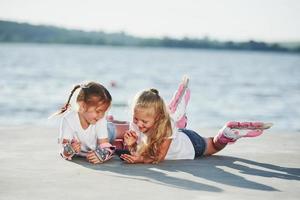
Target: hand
92 158
131 158
130 138
76 145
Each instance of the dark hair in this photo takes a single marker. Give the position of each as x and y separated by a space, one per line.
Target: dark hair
155 91
91 93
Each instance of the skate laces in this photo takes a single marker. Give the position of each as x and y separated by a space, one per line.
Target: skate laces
235 130
249 125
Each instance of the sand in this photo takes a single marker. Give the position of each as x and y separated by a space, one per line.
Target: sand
267 167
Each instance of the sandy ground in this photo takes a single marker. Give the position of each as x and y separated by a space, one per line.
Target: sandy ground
267 167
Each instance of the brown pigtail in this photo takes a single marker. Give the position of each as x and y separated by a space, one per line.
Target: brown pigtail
67 104
86 94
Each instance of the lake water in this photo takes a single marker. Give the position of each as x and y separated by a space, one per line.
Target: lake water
35 80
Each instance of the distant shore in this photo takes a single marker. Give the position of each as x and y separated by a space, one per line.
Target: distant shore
27 33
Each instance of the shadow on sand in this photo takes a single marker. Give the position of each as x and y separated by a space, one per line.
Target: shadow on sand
216 169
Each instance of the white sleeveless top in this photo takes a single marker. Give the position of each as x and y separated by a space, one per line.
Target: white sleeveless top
181 146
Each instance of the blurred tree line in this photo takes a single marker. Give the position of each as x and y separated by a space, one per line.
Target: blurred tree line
23 32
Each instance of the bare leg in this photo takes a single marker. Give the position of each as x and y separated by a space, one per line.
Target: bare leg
213 147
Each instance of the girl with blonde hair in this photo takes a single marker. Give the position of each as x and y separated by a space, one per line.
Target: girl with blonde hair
155 135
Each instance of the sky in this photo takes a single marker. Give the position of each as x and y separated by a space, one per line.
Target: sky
238 20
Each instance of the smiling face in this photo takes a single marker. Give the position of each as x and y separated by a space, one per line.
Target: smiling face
92 114
144 119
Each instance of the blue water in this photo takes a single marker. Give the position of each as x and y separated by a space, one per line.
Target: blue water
36 79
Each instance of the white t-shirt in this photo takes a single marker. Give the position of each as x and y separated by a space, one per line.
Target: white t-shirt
181 146
70 128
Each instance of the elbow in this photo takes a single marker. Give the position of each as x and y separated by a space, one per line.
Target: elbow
159 161
153 161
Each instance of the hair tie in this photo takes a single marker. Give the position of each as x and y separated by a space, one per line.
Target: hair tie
83 86
155 91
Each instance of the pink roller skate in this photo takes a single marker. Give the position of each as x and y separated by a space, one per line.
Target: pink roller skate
232 131
179 102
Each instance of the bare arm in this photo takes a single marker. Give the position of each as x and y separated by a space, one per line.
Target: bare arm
91 155
164 149
130 140
76 146
141 159
101 141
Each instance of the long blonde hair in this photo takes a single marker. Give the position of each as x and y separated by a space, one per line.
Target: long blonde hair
161 130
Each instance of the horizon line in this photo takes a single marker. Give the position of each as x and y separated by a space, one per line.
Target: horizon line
294 41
